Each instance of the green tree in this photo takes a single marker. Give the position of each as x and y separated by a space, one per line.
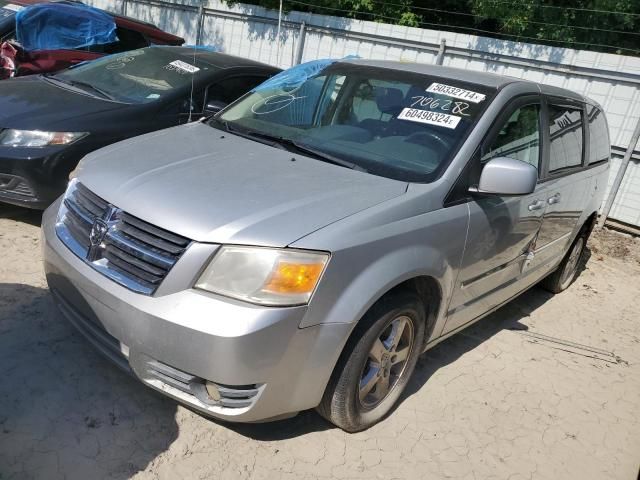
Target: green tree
602 25
584 24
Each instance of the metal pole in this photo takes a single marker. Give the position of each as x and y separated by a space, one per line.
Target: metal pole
620 176
200 22
278 34
300 46
440 57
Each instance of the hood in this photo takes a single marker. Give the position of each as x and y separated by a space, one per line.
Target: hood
32 103
213 186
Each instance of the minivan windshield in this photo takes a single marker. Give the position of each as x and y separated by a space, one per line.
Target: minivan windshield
138 76
392 123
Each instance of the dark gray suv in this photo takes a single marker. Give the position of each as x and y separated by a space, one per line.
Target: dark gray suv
305 245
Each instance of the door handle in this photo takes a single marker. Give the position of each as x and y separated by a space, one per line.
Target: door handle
554 199
537 205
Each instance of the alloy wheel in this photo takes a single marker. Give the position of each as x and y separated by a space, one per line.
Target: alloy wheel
386 362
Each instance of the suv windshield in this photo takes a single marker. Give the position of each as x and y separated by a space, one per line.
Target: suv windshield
138 76
392 123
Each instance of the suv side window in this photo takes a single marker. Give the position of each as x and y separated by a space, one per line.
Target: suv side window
566 137
519 137
599 148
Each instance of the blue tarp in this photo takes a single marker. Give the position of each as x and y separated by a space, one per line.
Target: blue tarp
52 26
295 76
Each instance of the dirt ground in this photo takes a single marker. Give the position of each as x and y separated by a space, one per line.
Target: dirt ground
548 387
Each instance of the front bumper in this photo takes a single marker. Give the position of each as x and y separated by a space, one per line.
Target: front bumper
31 177
262 363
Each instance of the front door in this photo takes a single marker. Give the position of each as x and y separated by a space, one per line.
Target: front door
502 230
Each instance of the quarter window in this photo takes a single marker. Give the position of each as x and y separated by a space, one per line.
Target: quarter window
599 148
232 88
566 137
519 137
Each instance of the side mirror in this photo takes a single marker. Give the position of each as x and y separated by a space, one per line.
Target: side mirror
214 106
507 176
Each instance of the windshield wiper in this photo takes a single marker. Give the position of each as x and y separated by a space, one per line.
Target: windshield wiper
320 155
245 133
287 144
82 85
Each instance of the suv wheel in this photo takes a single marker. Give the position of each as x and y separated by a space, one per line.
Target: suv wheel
376 365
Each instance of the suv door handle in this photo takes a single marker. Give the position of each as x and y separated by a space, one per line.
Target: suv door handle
554 199
537 205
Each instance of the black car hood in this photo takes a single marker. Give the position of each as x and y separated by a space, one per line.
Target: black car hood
33 103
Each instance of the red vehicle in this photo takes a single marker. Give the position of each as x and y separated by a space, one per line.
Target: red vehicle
132 34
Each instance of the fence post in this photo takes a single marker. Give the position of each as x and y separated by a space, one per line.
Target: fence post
300 46
200 24
443 47
620 176
124 8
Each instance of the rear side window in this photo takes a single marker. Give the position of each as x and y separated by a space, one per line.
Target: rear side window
232 88
127 40
519 137
599 144
566 136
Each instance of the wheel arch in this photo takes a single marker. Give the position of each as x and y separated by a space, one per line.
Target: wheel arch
430 291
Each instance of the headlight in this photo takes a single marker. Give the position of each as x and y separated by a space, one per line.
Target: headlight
37 138
266 276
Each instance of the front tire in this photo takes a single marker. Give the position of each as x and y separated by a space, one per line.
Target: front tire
376 364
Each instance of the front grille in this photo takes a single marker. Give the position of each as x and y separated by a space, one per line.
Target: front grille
16 185
128 250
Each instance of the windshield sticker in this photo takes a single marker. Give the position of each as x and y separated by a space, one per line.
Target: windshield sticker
13 7
456 92
429 117
181 67
9 10
453 106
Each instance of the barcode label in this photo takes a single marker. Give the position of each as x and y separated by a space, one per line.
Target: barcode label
184 66
456 92
429 117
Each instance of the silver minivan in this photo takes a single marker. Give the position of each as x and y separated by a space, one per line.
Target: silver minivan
304 246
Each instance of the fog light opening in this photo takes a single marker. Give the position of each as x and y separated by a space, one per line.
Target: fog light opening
212 390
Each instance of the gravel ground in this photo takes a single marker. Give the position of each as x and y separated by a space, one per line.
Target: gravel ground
547 387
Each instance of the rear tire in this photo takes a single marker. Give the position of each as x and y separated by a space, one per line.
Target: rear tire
567 271
376 364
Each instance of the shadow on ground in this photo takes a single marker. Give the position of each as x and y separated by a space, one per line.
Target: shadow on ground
64 411
59 396
20 214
